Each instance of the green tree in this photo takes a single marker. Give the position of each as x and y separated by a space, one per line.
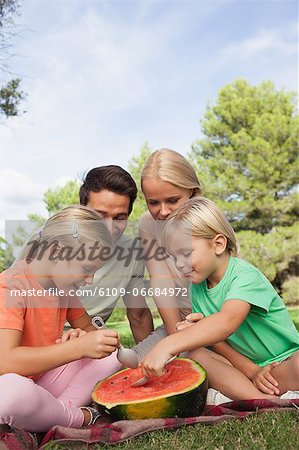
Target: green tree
6 254
60 197
135 166
11 95
275 253
7 10
248 158
247 162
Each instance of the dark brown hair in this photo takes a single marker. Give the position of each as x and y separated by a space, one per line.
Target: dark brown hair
112 178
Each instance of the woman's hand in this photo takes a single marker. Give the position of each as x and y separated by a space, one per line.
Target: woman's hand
99 343
264 381
70 334
190 320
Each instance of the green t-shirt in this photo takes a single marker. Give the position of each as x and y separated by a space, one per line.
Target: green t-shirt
267 333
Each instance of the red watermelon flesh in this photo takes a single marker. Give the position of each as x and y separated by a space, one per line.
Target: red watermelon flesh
180 392
119 389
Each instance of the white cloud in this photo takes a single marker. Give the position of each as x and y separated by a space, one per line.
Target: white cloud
89 78
265 42
19 195
62 180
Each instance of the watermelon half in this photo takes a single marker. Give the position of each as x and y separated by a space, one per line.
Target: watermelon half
180 392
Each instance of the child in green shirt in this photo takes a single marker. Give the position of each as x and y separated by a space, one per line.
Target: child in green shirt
237 312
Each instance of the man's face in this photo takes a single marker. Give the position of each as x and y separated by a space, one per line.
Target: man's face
113 207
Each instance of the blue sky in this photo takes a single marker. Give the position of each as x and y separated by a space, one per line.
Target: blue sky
104 76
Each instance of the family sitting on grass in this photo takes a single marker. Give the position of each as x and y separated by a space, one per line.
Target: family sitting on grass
239 330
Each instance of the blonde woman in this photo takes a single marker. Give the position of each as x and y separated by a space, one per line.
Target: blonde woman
46 378
234 302
168 181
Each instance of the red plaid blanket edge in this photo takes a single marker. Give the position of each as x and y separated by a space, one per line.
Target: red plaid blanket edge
107 432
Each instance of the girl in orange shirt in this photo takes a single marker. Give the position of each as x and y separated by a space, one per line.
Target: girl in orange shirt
46 378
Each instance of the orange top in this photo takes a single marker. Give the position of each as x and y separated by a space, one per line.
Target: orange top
41 318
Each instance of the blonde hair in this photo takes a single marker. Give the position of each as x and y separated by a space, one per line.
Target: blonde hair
206 221
169 165
70 227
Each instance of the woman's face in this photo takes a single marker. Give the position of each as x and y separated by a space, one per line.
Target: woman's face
162 197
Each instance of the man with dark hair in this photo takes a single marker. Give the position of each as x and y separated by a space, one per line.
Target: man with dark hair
111 191
111 178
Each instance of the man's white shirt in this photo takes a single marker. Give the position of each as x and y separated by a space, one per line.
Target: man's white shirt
118 275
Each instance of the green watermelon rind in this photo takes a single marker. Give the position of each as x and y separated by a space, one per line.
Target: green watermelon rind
188 403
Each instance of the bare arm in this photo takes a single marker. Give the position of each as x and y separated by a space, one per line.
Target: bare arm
211 329
208 331
161 278
139 316
78 328
33 360
260 376
239 361
84 323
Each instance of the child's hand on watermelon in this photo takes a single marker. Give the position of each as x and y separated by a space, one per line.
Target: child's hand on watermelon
154 362
191 319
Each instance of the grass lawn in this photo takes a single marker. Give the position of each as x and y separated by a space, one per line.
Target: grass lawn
125 331
267 431
260 431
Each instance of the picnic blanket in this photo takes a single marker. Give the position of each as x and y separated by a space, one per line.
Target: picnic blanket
105 431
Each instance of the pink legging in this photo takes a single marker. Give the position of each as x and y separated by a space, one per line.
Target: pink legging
55 398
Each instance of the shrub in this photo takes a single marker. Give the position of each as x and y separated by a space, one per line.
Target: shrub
290 291
275 253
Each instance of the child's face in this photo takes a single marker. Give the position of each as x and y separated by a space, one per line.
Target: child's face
197 261
74 274
204 259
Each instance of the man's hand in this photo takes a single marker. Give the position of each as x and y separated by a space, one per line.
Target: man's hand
139 316
264 381
190 320
70 334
